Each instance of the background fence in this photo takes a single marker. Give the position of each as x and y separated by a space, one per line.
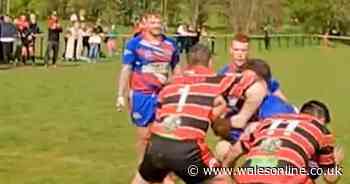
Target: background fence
275 41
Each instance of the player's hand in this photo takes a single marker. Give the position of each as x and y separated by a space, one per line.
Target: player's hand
251 127
338 154
120 103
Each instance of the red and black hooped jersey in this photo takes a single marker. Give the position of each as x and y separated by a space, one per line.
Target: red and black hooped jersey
288 141
187 103
236 95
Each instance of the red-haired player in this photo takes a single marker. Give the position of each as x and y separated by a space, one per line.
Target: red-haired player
239 52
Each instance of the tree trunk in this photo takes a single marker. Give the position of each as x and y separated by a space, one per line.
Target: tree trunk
195 13
251 20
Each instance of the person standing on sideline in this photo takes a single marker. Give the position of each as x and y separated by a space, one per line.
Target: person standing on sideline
7 38
94 41
111 41
72 42
267 37
33 31
53 39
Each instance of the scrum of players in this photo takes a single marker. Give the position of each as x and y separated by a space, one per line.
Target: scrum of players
173 108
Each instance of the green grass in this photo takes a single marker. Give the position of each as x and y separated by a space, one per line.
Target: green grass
58 125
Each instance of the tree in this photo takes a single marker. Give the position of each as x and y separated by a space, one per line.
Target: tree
250 15
320 16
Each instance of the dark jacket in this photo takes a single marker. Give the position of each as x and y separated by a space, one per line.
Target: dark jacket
34 28
8 30
54 34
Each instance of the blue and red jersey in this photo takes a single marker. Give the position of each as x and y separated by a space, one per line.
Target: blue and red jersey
150 63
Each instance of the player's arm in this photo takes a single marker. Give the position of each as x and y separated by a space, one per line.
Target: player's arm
274 88
125 74
332 177
280 94
123 86
329 156
255 94
220 105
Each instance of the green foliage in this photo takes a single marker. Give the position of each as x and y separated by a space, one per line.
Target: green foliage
320 16
238 15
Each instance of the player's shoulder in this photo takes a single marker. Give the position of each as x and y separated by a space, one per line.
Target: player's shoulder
134 40
223 70
169 40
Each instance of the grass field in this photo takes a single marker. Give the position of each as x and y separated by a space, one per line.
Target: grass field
59 126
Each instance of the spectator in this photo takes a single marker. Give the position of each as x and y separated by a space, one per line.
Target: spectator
22 25
192 36
73 18
181 36
267 37
33 31
78 45
53 39
1 21
7 38
94 41
98 27
86 31
99 30
111 41
73 43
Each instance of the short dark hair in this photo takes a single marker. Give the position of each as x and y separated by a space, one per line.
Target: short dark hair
260 67
199 55
317 109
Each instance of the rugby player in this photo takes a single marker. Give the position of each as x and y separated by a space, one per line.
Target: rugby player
187 107
242 102
261 108
148 61
239 52
292 141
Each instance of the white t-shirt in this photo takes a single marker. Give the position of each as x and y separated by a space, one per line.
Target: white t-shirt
95 39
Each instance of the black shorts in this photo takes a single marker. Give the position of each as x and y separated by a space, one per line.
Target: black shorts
164 155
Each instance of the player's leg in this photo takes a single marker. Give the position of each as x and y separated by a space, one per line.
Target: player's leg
227 151
31 52
197 158
143 107
153 168
223 152
142 137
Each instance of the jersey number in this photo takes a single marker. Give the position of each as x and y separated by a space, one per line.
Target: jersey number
184 92
292 125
